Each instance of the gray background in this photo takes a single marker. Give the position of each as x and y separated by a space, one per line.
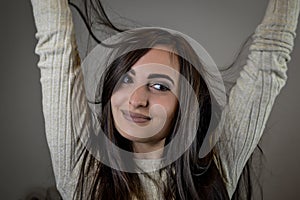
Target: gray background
220 26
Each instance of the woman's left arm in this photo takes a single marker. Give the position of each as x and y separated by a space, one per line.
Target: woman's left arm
250 101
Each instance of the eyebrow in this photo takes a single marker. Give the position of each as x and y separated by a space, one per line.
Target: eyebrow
153 76
132 71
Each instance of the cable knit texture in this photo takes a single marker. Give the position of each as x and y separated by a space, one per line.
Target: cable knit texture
243 119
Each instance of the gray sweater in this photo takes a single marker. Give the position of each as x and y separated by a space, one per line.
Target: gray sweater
243 118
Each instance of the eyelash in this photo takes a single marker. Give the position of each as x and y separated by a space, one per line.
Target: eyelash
163 88
127 79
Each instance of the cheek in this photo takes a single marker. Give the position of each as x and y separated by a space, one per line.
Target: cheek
165 116
169 104
117 99
172 111
116 103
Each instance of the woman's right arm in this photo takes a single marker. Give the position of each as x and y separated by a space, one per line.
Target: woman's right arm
62 83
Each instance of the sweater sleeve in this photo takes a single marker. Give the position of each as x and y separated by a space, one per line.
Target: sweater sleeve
252 97
62 83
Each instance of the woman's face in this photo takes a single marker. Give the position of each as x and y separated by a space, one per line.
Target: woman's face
145 102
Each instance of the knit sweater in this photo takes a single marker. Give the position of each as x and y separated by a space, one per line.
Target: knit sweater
243 118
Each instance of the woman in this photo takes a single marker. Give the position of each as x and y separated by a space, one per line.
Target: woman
214 176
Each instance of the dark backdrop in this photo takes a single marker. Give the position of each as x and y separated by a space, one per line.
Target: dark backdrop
220 26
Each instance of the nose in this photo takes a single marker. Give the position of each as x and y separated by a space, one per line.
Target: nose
139 97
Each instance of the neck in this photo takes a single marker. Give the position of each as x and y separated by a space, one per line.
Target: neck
148 150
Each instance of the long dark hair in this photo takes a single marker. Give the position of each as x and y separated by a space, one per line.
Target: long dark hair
189 177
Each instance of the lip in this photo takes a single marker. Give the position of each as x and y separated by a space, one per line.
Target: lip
135 117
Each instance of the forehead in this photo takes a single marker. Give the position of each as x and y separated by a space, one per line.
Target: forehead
161 55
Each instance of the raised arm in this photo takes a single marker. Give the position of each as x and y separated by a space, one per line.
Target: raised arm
251 99
62 83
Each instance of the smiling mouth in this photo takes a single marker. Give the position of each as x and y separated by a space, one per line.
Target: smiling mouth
135 117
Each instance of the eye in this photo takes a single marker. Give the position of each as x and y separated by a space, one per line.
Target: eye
127 79
159 87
